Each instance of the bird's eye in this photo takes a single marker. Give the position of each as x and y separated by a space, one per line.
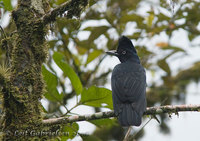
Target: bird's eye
124 52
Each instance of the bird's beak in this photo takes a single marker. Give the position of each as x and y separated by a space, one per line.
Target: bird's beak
112 52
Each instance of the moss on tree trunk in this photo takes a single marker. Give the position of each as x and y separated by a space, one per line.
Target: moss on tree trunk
22 84
24 87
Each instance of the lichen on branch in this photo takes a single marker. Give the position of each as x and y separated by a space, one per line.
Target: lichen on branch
149 111
72 7
22 90
27 51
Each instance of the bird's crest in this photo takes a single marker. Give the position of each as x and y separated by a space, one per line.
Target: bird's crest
125 44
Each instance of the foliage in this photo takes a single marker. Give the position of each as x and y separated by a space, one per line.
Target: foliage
75 67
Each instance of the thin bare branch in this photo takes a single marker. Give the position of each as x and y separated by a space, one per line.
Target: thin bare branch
127 134
100 115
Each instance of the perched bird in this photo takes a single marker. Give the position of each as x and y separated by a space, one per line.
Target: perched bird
128 83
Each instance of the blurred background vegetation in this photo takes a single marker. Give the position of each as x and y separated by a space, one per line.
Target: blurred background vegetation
78 72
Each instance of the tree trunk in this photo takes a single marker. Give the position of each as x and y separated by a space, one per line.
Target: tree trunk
21 81
23 85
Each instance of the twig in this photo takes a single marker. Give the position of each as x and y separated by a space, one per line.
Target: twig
127 134
51 16
100 115
69 111
2 32
142 128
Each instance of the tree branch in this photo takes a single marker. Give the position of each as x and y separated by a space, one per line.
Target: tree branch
73 7
100 115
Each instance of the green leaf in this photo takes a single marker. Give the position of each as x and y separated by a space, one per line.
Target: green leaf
90 138
164 66
51 86
163 17
81 50
131 17
76 60
59 2
143 52
150 19
103 122
68 71
7 5
96 32
92 2
72 25
135 35
84 44
93 14
97 97
94 54
176 49
69 131
52 43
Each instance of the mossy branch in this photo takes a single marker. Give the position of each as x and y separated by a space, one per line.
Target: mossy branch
73 8
100 115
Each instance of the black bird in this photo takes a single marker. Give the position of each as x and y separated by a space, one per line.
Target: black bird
128 83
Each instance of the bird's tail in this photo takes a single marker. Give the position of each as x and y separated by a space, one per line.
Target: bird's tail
129 116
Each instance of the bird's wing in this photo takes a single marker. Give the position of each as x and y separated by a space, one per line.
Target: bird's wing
128 88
